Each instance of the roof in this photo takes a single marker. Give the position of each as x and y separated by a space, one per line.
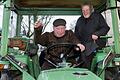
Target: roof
98 4
57 3
51 5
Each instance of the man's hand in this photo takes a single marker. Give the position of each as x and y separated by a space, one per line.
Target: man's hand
94 37
38 24
82 47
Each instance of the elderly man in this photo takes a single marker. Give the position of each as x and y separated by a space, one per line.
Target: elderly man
58 35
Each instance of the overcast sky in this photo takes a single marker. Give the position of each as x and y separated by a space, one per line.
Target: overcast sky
70 19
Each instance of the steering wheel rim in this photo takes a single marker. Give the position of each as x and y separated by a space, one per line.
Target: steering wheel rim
70 47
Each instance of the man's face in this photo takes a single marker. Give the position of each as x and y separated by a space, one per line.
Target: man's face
59 31
86 11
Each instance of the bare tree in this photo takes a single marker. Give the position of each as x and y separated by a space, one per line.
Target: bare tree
26 27
45 19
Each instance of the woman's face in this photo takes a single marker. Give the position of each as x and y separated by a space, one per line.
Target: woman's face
86 11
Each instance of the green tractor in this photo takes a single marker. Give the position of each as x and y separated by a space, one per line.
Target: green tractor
18 54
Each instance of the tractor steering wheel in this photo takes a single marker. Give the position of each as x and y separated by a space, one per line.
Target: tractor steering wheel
62 51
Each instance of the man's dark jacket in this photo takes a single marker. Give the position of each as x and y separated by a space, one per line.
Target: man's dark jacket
47 39
86 27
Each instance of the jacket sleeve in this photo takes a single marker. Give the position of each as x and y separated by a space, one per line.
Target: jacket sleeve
103 28
40 38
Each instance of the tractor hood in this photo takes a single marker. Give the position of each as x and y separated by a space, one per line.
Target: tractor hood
68 74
